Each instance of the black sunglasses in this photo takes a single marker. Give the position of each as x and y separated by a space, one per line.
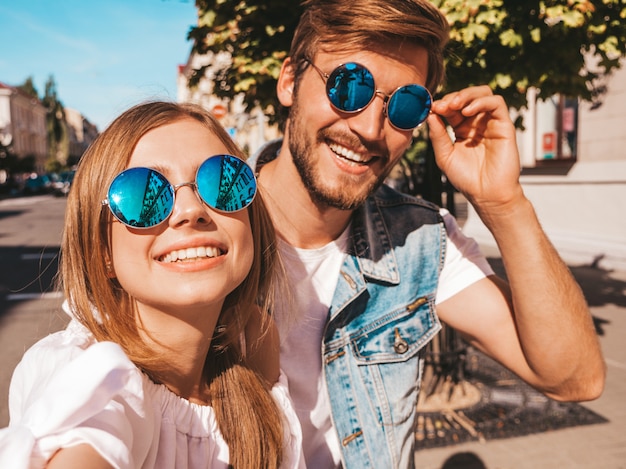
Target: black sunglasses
350 88
143 198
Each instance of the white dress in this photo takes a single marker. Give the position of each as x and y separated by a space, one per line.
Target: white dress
69 389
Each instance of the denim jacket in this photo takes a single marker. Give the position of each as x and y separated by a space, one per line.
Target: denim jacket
381 317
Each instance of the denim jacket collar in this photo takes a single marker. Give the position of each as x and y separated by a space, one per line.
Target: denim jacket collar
372 245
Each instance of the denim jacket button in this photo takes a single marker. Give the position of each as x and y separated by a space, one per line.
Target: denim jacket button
401 346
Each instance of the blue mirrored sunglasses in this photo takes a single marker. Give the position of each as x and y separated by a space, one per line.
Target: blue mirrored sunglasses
143 198
350 88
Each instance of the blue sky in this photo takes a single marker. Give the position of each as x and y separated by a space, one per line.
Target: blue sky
104 55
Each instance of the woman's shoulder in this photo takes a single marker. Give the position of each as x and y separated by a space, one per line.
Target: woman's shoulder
70 389
68 356
55 350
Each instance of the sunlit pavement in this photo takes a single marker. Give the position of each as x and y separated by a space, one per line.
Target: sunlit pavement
586 445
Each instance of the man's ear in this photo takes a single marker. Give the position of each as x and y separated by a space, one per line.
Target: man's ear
284 87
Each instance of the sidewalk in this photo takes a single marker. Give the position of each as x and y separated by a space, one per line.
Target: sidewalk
595 446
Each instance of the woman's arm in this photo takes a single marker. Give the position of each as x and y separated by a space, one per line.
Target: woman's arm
78 457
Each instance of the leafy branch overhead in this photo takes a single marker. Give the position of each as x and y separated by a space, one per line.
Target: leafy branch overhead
256 34
556 46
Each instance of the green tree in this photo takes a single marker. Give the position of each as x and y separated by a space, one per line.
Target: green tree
257 35
555 46
58 135
28 87
563 46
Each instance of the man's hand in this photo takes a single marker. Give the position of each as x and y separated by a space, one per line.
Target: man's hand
482 159
538 325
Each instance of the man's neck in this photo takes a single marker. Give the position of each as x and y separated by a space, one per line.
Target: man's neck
297 218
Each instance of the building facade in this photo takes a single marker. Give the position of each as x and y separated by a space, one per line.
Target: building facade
81 134
23 129
23 125
248 128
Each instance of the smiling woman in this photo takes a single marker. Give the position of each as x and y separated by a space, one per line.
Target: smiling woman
169 268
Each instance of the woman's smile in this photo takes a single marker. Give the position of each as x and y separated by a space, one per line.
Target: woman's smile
191 254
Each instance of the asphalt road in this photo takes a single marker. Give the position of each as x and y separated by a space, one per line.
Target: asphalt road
30 234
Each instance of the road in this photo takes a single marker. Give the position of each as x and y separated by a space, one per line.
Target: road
30 235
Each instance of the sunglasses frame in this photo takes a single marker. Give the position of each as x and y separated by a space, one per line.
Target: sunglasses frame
172 188
386 97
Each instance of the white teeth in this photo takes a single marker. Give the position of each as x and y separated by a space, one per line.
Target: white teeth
191 253
348 154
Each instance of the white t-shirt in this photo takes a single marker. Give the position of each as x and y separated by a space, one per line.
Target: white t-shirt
69 389
313 275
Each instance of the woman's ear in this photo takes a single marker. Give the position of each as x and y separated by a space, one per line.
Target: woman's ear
284 88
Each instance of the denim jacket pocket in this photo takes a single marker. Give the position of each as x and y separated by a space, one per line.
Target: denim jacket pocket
388 361
398 336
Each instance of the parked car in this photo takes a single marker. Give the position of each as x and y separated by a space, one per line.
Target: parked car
38 184
62 187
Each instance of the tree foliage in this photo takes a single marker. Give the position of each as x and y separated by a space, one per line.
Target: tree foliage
564 46
256 34
56 125
28 87
555 46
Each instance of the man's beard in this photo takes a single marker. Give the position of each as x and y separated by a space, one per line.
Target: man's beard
348 195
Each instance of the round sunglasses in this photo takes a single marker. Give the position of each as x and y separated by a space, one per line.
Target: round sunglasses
350 88
143 198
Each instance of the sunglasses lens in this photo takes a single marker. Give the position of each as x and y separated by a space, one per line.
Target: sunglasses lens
141 197
409 106
226 183
350 87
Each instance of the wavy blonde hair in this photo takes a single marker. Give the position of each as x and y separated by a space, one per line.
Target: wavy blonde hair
248 417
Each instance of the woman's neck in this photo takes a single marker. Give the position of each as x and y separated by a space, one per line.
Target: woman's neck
184 341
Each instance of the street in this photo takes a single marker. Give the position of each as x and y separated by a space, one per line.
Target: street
30 234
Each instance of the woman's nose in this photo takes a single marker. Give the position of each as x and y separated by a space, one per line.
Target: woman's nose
188 207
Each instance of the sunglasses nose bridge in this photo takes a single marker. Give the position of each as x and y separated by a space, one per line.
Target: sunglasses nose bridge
192 185
188 207
385 97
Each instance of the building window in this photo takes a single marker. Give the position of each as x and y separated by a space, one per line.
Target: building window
557 130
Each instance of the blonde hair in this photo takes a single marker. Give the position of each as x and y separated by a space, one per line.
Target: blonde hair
248 417
357 24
